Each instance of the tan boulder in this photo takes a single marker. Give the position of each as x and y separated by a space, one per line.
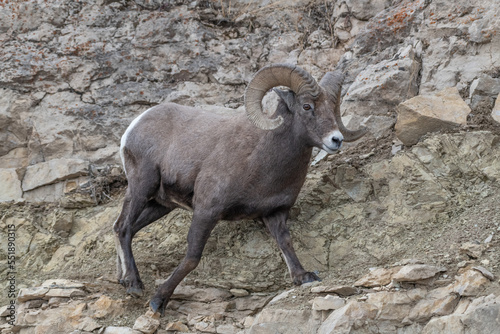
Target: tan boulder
106 307
176 326
448 324
393 306
377 277
428 308
423 114
343 319
147 323
470 283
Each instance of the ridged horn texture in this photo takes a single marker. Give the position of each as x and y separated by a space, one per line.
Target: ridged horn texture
291 76
332 84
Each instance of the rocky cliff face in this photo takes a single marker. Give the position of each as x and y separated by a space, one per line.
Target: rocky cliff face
75 73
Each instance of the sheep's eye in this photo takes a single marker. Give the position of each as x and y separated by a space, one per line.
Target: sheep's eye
306 107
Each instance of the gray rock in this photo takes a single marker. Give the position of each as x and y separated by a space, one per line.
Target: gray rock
416 272
13 133
206 325
448 62
4 311
486 273
60 283
251 303
283 321
227 329
495 113
61 222
120 330
187 292
63 192
17 157
376 91
64 293
482 316
327 303
11 185
74 74
281 296
341 290
53 171
31 293
473 250
448 324
485 85
239 292
382 86
56 301
366 9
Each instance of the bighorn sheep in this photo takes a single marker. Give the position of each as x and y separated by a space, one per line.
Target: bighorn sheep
222 167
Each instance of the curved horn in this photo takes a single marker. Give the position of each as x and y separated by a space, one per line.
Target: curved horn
332 84
297 79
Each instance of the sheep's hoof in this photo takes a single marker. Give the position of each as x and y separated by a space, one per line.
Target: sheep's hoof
157 305
306 277
135 292
310 277
134 287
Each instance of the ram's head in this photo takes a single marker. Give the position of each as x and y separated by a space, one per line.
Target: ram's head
317 105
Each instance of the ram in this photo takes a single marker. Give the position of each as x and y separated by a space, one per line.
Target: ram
226 167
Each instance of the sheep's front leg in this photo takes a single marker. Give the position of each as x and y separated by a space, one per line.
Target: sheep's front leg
276 224
198 234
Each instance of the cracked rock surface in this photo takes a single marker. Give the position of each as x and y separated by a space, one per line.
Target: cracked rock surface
403 233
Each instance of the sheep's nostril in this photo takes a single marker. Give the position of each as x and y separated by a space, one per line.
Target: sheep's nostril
337 141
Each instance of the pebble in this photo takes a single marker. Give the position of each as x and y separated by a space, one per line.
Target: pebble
486 273
239 292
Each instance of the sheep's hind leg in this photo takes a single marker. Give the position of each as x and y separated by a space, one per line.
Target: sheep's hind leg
120 260
276 224
198 235
128 274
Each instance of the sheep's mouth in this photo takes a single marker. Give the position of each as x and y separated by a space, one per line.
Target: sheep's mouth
331 148
332 141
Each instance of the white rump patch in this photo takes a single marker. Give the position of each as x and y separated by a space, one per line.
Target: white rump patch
125 135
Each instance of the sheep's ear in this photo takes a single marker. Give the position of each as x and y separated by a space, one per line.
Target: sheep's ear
287 96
